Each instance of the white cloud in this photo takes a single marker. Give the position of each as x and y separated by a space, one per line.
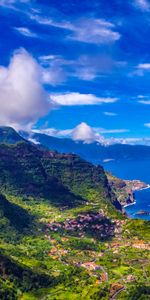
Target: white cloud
44 20
147 125
22 97
143 5
70 99
46 59
140 96
11 3
146 102
145 66
95 31
132 141
54 132
6 2
53 69
144 99
113 130
34 141
109 114
26 32
87 134
87 30
86 67
53 76
140 69
83 132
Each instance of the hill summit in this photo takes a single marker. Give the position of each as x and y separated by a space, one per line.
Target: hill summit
9 135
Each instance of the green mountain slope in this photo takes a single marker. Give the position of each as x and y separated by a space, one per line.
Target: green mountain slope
16 216
60 236
67 179
22 173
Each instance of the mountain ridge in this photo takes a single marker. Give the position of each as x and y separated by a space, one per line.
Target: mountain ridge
9 135
93 152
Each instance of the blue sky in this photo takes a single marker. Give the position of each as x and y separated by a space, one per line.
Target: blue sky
90 69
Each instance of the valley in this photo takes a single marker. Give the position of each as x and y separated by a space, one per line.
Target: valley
63 234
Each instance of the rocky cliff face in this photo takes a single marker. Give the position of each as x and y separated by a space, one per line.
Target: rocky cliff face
124 190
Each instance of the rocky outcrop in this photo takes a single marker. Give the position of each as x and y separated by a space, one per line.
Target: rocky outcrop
124 190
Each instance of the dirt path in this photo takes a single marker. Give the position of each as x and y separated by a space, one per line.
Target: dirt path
117 293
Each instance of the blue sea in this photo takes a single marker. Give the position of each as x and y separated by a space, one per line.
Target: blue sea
134 170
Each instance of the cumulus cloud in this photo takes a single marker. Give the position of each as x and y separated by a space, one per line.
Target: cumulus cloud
70 99
22 97
26 32
84 132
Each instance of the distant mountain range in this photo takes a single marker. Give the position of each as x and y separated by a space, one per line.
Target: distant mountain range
94 152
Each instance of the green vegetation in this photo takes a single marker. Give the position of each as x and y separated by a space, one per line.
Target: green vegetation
61 237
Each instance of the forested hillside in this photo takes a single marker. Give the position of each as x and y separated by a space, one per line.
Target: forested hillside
61 236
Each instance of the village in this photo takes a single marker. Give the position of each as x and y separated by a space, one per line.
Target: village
89 223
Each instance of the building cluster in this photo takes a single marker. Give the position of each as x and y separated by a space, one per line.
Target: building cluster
95 223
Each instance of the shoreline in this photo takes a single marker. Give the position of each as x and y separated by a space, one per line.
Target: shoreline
126 205
145 188
137 190
124 190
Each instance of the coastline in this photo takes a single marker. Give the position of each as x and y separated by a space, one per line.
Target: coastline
126 205
124 190
136 190
144 188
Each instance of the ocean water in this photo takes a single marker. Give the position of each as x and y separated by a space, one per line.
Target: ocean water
134 170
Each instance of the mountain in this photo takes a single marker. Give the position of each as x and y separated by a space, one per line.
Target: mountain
9 135
61 237
30 171
94 152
